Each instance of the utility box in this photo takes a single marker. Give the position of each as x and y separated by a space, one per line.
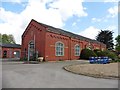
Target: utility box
40 59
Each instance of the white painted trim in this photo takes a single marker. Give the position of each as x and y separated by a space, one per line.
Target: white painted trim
55 48
75 50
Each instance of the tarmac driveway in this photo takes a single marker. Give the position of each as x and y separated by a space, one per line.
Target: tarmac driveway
49 75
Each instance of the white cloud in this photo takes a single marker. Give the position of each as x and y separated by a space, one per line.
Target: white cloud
90 32
74 23
55 14
113 11
12 24
68 8
14 1
99 20
112 28
101 1
110 0
96 20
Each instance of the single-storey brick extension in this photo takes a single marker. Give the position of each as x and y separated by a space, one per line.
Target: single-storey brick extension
53 43
10 51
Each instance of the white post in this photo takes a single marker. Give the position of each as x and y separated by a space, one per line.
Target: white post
34 42
34 46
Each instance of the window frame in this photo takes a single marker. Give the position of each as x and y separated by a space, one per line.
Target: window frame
61 52
76 53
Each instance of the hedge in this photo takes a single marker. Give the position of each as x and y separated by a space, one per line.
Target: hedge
86 53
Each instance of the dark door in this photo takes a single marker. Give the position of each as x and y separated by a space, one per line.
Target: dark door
4 54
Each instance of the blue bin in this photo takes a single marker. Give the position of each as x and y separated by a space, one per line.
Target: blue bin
102 61
105 61
99 60
91 60
96 59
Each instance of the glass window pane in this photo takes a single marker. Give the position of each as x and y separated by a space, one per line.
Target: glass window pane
77 50
59 49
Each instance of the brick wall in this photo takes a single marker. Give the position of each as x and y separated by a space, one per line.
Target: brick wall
45 43
10 52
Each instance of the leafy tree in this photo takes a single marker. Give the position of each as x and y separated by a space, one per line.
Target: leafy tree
7 39
118 40
0 38
117 48
106 37
11 39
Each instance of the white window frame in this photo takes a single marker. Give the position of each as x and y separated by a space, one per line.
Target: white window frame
77 50
61 49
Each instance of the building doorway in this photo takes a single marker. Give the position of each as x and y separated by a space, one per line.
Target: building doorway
4 54
31 50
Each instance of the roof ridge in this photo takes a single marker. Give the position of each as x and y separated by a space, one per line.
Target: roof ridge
68 33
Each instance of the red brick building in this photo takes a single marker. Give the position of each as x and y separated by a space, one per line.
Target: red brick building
54 43
10 51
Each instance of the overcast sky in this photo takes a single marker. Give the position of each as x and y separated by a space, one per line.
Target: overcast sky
78 16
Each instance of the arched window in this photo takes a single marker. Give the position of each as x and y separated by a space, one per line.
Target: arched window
59 49
77 50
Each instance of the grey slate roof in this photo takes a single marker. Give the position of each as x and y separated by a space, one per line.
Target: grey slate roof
11 45
67 33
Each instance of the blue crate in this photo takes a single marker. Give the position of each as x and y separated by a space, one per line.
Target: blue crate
104 61
96 59
99 60
91 60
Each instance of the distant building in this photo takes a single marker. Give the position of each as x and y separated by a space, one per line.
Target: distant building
53 43
10 51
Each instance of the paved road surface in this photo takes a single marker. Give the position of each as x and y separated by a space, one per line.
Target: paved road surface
49 75
0 75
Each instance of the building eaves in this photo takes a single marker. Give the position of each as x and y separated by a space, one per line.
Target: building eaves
10 45
67 33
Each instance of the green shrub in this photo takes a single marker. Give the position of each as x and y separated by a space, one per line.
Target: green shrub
86 53
24 59
106 53
100 53
112 55
117 60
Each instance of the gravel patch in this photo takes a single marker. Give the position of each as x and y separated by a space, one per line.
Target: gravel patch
95 70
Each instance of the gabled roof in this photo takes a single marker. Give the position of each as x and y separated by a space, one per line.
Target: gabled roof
10 45
66 33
